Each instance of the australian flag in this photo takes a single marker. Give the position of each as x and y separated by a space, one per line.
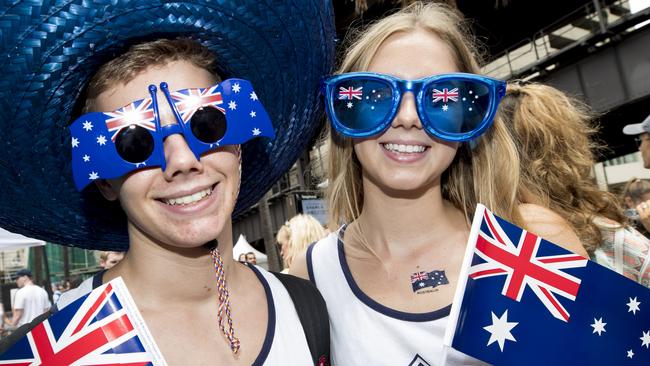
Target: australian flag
423 280
101 328
522 300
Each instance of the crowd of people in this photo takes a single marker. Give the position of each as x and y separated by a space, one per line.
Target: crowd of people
407 166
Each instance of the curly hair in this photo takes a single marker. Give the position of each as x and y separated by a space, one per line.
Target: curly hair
554 136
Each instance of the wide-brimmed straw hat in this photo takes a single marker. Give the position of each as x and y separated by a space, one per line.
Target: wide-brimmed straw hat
50 50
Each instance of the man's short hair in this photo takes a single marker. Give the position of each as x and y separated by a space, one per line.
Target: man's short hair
22 272
139 57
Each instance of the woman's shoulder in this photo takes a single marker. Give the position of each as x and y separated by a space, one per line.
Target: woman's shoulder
551 226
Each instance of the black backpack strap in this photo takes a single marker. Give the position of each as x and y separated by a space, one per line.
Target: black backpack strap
312 312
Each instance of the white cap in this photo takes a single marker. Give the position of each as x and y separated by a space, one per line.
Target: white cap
638 128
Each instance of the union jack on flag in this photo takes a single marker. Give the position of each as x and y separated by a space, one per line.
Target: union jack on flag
139 113
517 259
350 93
445 95
419 276
101 328
188 101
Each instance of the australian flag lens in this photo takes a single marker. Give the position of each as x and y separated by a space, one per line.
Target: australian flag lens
456 106
362 104
99 140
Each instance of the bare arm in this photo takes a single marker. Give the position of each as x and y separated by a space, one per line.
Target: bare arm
552 227
15 317
299 266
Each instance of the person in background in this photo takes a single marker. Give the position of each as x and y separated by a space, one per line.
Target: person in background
636 197
250 258
301 230
30 300
242 258
107 259
641 131
410 149
553 134
282 239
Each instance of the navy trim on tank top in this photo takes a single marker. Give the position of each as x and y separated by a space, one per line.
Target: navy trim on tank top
310 265
400 315
270 326
98 279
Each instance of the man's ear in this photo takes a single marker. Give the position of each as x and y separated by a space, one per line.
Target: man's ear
108 189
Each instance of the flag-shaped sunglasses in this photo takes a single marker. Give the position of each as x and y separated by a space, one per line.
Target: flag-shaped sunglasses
108 145
451 107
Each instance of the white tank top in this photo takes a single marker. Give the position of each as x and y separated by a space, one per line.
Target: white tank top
364 332
285 343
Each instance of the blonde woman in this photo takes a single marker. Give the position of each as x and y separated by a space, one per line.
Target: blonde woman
553 136
298 233
409 157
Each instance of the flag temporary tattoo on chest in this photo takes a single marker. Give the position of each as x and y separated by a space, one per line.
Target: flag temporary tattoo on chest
428 280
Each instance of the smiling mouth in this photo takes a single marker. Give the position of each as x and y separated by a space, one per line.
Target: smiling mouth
189 199
404 149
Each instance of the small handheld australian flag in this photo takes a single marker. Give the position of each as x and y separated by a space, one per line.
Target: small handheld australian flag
103 327
522 300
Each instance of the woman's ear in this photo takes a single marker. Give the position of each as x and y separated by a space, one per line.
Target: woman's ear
108 189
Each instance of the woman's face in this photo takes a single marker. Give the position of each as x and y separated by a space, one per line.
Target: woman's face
384 158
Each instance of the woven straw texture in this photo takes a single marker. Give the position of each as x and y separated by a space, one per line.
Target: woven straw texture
50 49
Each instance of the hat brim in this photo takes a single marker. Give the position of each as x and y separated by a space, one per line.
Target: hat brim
283 48
634 129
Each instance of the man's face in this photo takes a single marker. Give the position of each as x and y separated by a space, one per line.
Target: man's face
250 258
644 147
112 259
190 203
20 281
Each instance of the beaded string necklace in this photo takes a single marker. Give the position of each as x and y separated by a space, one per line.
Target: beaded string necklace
224 303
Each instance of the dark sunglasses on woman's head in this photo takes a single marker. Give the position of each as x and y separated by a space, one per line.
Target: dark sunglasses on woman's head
451 107
108 145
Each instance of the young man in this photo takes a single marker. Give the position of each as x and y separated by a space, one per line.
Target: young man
160 133
30 301
641 131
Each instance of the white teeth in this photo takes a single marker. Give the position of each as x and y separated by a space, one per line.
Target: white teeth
404 148
189 198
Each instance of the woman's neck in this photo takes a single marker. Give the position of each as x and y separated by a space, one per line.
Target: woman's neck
397 225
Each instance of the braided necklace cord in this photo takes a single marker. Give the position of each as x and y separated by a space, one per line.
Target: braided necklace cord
224 302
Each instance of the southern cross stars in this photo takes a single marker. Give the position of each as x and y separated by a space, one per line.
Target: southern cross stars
88 126
93 176
500 330
253 96
633 306
75 142
256 131
232 105
236 88
101 140
645 339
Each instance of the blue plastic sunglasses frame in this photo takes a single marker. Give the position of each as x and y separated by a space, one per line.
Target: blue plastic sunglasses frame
496 90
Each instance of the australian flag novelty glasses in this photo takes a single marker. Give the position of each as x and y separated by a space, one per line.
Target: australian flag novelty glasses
109 145
451 107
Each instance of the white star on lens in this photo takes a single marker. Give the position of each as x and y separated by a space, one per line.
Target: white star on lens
630 354
464 99
253 114
137 165
470 109
471 92
645 339
75 142
367 97
445 107
88 126
349 105
253 96
372 107
500 330
232 105
93 176
633 305
598 326
86 158
476 97
101 140
236 87
256 131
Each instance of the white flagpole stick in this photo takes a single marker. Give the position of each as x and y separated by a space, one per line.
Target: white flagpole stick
462 283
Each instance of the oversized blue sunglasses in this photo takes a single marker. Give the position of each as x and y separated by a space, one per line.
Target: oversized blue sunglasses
451 107
108 145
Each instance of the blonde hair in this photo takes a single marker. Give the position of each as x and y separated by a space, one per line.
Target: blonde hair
303 230
553 133
472 177
139 57
635 188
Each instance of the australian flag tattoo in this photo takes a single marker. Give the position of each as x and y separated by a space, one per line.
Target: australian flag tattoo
433 279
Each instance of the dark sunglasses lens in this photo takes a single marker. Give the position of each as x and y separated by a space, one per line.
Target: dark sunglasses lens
208 124
361 104
134 144
456 106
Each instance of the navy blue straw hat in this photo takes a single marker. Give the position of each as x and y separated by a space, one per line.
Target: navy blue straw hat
50 49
